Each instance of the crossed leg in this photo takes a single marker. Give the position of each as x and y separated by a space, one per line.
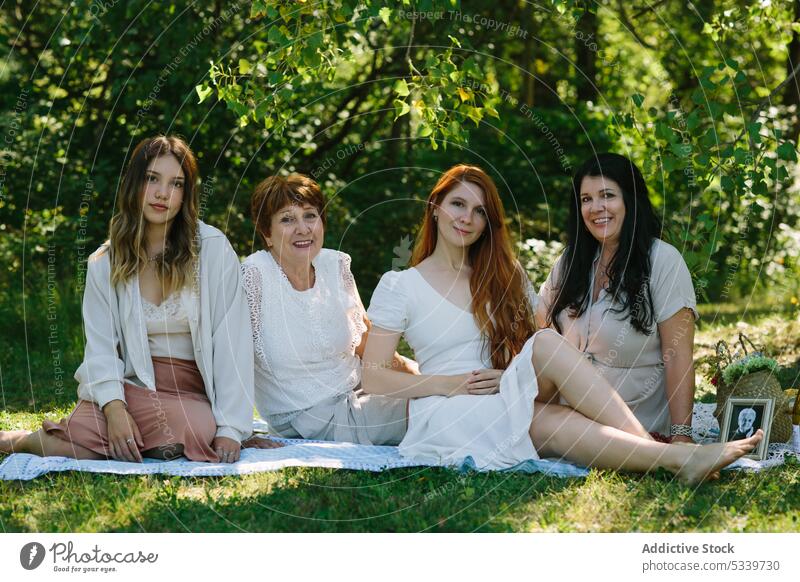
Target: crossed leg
598 429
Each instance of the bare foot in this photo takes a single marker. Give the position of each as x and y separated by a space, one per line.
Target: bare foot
10 438
705 461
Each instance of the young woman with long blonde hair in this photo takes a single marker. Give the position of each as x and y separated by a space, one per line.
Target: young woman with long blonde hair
492 387
168 364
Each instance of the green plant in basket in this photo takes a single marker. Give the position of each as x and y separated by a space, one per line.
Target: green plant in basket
751 363
752 376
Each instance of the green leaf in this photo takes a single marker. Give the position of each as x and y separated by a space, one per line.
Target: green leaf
787 151
681 150
401 88
754 130
693 121
203 91
385 13
707 83
698 96
475 114
638 99
275 36
244 67
728 184
425 130
401 108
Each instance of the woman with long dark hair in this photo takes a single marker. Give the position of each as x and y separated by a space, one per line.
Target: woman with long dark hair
624 297
466 309
168 363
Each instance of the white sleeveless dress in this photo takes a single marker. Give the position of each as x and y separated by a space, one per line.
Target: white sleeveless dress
492 429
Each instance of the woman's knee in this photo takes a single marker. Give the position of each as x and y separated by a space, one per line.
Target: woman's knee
547 344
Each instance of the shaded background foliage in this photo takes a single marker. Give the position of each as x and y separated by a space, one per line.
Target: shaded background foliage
374 100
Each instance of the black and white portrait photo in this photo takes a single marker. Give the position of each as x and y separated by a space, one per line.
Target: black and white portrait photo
743 417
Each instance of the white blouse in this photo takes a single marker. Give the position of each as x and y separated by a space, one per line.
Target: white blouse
168 332
304 341
117 347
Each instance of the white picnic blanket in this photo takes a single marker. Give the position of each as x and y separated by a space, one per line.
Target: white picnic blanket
302 453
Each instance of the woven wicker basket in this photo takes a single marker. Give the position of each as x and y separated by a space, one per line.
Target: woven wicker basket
761 384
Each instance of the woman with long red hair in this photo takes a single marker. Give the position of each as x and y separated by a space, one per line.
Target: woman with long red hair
491 387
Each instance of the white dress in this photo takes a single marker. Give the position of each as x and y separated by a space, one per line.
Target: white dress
307 375
492 429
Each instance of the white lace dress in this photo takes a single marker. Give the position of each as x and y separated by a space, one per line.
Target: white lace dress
492 429
307 376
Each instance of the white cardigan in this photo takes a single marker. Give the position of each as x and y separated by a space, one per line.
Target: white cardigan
116 338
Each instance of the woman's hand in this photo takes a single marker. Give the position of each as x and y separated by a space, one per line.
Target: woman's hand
477 382
124 437
227 449
682 439
486 381
261 442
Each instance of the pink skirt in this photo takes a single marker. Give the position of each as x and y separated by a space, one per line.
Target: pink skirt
178 412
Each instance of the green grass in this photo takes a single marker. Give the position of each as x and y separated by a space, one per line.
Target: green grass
403 500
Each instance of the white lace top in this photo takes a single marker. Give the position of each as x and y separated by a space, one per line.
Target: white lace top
304 341
168 332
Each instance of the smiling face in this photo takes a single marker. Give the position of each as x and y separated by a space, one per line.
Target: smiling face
163 190
296 233
461 216
746 419
602 208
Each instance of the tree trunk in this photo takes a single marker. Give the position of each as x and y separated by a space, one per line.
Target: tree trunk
586 47
791 93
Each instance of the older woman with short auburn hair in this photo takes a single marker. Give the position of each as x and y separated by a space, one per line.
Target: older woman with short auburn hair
309 325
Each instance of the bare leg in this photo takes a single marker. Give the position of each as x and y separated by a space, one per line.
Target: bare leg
562 370
43 444
559 431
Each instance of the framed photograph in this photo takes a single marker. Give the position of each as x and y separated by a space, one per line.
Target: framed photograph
743 417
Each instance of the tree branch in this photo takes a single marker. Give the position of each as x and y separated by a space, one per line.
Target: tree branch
623 15
763 103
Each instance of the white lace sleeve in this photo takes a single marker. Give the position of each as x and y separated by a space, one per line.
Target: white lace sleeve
251 281
357 312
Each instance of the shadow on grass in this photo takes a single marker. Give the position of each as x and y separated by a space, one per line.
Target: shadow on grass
402 500
724 314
